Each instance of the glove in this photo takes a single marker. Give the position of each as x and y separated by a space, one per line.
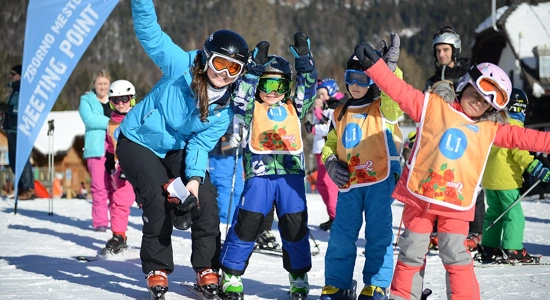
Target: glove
301 50
109 163
235 140
366 55
538 170
310 128
178 195
391 55
181 220
337 170
259 59
445 90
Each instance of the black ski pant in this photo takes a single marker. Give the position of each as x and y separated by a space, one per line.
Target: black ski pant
147 173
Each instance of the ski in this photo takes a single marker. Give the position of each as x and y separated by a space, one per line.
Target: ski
296 296
537 261
192 287
88 258
270 252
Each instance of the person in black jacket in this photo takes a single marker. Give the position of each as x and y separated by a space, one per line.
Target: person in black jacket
9 124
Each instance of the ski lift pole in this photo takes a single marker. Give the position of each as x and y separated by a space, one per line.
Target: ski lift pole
233 179
51 129
513 204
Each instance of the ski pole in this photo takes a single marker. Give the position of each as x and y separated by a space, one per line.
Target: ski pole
398 233
230 220
513 204
314 242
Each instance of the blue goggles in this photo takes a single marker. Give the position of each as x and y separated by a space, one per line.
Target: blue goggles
357 77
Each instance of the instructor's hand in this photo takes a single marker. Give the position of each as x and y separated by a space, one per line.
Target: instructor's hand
193 187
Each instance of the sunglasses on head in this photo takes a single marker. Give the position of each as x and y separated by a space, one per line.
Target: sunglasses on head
123 99
489 87
220 63
357 77
274 84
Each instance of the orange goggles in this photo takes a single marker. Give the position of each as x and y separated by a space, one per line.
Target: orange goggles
220 64
489 87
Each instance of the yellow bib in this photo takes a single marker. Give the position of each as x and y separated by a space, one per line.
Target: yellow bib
275 129
447 166
363 144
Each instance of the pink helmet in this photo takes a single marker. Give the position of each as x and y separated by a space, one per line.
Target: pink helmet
490 81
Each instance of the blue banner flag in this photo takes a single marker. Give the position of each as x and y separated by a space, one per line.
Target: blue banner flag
57 34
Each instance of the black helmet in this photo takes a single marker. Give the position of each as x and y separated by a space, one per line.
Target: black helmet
447 35
279 65
227 43
518 101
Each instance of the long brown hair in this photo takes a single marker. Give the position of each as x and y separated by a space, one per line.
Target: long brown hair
199 86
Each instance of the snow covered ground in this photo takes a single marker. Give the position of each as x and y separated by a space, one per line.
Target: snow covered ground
37 258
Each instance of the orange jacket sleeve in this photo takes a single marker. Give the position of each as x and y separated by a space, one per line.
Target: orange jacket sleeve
410 100
511 137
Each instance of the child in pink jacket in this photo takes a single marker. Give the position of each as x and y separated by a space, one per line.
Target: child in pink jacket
441 179
122 97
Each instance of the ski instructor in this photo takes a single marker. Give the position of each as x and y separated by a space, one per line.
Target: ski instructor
164 143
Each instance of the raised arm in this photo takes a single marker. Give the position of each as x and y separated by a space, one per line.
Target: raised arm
169 57
306 77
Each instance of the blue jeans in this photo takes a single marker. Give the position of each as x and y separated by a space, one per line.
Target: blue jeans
27 179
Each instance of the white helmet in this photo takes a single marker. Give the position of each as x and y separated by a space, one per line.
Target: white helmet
122 88
447 35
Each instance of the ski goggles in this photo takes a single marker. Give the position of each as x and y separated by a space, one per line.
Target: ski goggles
118 99
357 77
443 30
220 63
274 84
489 87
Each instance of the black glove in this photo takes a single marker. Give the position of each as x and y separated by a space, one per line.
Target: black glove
301 50
337 170
181 220
259 59
309 127
366 55
183 205
391 55
109 162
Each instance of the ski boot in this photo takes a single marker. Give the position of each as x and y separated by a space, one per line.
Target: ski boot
267 241
330 292
157 284
326 226
487 255
433 241
516 256
299 286
372 292
208 283
115 245
232 287
473 240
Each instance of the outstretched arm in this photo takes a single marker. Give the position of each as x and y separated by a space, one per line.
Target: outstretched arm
169 57
511 137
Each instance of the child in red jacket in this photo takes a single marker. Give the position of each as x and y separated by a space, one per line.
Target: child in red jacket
441 179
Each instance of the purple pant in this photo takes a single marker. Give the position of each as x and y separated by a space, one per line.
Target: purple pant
122 200
102 189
